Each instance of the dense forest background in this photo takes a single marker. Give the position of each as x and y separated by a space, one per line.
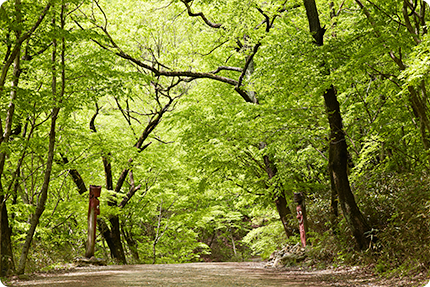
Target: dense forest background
200 119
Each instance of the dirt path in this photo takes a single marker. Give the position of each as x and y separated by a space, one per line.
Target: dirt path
205 274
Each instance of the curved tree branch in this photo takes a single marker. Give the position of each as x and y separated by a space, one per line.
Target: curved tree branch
201 15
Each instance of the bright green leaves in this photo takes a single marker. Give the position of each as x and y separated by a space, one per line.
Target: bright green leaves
418 64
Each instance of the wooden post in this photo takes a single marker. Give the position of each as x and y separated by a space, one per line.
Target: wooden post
93 211
301 216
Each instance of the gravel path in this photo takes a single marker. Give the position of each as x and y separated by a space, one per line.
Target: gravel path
205 274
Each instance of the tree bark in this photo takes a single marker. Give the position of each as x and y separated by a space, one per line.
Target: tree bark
334 205
106 233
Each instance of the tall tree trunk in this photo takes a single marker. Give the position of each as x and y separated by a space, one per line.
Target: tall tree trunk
338 151
334 205
6 255
34 221
43 195
106 232
338 166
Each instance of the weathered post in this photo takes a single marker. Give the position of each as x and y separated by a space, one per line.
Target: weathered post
93 211
301 216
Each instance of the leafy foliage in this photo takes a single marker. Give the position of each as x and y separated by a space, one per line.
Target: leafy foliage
204 192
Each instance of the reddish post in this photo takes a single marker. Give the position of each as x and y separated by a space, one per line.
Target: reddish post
93 211
301 216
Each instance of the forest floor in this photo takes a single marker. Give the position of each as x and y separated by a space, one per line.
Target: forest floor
210 275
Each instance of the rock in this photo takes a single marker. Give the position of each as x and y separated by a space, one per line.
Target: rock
81 261
287 256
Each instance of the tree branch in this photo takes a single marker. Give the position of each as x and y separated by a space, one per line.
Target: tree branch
225 68
201 15
93 118
17 47
131 192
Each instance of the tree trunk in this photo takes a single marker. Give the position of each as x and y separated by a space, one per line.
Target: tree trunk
76 177
280 200
34 221
118 250
105 232
7 262
338 166
334 205
338 151
284 212
112 235
115 246
6 258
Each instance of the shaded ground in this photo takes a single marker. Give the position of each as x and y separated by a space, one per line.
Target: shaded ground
207 274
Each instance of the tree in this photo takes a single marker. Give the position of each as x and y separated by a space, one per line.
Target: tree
11 57
338 152
158 70
57 97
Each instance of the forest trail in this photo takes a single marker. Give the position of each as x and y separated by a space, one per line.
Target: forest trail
205 274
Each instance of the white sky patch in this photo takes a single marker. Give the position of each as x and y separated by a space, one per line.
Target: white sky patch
2 1
427 1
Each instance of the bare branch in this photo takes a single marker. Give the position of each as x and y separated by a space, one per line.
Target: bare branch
201 15
213 49
266 19
104 14
248 62
238 88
